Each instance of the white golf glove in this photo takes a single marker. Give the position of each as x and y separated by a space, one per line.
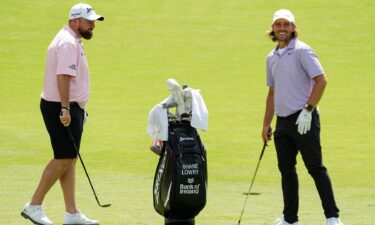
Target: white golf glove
85 117
304 121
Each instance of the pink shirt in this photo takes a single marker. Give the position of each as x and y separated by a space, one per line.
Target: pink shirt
65 55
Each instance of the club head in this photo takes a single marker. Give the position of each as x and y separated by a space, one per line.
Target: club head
105 206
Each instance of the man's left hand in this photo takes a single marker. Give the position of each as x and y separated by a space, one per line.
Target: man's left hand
304 121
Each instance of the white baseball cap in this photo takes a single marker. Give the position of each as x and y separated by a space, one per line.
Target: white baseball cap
82 10
283 14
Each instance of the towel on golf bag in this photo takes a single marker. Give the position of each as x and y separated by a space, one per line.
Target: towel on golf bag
180 182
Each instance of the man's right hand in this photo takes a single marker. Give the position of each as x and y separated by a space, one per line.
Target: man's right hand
266 134
65 117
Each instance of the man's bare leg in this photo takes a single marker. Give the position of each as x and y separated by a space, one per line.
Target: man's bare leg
67 182
53 171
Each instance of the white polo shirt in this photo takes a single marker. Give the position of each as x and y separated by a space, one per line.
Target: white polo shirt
65 55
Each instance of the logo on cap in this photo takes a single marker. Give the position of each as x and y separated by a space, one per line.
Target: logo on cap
85 11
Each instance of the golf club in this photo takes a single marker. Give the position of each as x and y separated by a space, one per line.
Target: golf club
83 165
252 181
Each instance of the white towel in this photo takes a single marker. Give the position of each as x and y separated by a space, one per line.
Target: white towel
157 126
199 117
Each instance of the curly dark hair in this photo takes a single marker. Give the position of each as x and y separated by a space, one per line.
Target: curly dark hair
271 34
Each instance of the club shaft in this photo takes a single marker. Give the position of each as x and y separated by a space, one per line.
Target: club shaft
83 165
252 181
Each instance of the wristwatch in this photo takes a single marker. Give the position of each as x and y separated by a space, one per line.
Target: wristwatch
309 108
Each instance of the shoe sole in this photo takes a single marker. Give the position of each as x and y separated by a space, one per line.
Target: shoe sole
29 218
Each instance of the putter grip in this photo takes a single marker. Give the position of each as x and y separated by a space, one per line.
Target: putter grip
269 132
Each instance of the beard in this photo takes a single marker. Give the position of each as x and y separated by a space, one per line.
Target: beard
86 34
284 38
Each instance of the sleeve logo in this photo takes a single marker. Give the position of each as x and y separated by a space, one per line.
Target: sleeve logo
73 67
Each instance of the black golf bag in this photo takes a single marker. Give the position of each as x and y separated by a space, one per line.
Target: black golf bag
180 182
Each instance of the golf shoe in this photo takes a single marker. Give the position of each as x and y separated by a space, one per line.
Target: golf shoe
78 219
283 222
35 214
334 221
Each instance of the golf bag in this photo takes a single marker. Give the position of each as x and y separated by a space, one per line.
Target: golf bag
180 182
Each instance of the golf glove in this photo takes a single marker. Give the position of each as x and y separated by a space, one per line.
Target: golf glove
304 121
85 117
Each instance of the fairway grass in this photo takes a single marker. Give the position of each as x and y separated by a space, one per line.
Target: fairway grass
218 47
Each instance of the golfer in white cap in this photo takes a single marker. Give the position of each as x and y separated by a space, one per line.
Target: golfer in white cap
63 100
296 82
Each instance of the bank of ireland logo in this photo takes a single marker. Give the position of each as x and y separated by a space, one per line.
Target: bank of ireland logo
190 180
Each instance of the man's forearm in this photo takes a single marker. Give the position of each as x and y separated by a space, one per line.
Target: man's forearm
63 84
269 113
318 90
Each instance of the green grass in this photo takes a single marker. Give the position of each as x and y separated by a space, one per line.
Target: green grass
216 46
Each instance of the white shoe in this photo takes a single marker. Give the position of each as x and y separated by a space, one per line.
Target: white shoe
35 214
78 219
334 221
281 221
